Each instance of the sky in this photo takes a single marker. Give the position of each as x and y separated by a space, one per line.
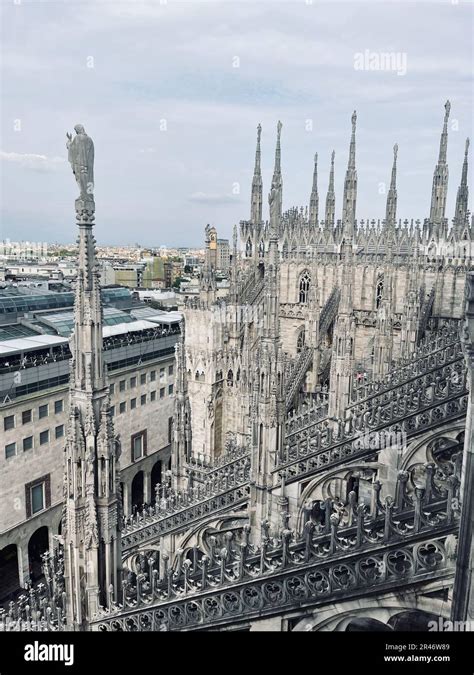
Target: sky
172 92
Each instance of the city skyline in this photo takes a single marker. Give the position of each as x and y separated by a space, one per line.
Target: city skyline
172 93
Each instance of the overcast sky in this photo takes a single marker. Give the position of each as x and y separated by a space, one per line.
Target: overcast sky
172 92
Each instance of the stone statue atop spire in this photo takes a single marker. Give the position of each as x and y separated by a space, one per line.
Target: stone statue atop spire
81 157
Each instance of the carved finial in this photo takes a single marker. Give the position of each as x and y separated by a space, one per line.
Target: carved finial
447 107
333 155
279 126
259 132
395 152
466 149
354 120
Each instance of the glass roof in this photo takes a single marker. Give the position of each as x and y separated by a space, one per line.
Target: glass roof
62 323
12 331
16 300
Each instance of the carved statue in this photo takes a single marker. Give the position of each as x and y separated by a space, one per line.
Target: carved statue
81 157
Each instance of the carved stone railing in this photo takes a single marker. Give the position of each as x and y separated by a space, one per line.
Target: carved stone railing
306 416
329 311
310 456
254 292
149 526
402 543
368 317
431 353
202 469
43 607
297 374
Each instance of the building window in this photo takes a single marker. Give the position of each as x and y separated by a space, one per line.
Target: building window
59 431
162 374
162 392
122 385
10 450
44 437
170 370
305 282
153 396
153 376
143 399
43 411
143 378
26 416
122 407
170 429
170 389
133 404
133 382
138 445
9 422
112 389
38 495
27 443
58 406
37 498
112 411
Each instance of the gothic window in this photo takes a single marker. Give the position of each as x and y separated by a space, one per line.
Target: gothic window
300 341
261 249
230 379
248 248
379 292
305 282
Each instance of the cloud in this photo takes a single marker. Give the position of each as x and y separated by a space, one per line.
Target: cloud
213 198
32 161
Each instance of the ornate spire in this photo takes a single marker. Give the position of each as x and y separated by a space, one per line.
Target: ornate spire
314 199
391 209
257 185
350 185
275 196
440 176
462 197
331 197
207 281
92 541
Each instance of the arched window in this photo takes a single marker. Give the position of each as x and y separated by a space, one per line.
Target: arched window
305 282
300 341
248 248
379 292
261 249
230 379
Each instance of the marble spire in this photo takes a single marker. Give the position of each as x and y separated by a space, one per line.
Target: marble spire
257 185
440 177
314 198
330 213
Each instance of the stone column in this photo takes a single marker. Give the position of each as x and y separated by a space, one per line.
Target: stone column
463 592
146 486
23 562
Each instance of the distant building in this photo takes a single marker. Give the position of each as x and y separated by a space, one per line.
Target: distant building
223 255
